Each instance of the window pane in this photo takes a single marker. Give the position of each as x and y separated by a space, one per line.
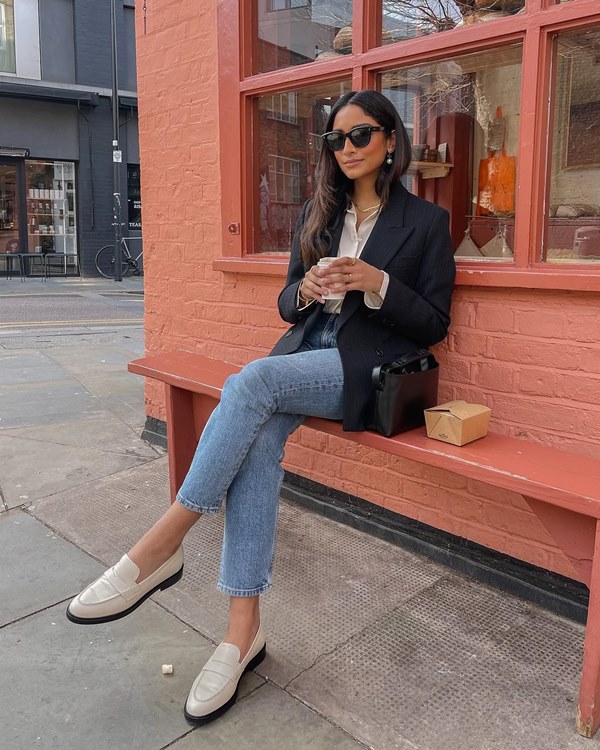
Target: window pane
287 156
405 19
572 222
51 218
7 37
293 32
462 115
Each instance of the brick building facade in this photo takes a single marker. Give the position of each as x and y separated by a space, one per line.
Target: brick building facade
531 354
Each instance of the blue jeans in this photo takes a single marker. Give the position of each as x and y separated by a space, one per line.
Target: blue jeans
241 448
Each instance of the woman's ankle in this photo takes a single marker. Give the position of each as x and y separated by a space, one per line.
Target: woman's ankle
244 621
149 555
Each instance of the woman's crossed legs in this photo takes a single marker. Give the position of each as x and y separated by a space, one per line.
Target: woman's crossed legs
239 456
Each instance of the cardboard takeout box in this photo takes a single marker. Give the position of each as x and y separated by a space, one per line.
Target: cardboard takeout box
457 422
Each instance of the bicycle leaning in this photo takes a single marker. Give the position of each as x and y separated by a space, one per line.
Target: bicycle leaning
105 259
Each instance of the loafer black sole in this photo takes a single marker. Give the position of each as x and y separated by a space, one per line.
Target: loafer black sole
118 615
200 720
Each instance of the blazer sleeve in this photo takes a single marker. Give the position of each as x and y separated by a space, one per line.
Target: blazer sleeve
296 270
422 312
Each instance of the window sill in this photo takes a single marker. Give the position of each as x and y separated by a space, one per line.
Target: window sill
270 265
540 277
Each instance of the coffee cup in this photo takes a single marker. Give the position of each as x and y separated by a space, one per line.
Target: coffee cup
324 263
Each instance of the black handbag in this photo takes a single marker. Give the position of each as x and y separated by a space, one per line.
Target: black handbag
403 389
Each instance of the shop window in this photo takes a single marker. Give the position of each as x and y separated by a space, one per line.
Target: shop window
305 32
287 157
7 37
572 220
134 198
51 215
465 129
407 19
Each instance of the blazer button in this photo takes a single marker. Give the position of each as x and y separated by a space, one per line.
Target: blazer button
379 352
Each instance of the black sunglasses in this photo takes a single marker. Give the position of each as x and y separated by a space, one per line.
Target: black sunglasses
360 136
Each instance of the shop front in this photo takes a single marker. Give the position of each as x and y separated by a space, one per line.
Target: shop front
38 219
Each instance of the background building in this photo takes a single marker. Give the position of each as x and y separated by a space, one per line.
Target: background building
56 127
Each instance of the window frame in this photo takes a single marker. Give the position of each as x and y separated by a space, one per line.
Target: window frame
534 28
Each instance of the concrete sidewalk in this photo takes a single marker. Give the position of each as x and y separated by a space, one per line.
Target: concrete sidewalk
368 645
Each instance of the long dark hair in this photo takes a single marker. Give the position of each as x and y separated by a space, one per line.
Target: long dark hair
332 187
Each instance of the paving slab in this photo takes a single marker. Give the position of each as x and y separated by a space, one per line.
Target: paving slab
28 404
64 686
37 567
28 367
92 357
106 431
118 392
33 468
269 719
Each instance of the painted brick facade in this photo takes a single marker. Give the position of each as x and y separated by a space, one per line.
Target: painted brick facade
532 356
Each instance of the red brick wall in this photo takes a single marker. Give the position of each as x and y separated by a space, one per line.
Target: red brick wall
533 356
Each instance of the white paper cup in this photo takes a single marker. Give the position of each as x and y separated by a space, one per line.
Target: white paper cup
324 263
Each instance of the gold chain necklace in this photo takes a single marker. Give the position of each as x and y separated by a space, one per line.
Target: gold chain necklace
366 210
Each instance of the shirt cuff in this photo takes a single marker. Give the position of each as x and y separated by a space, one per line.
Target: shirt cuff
374 300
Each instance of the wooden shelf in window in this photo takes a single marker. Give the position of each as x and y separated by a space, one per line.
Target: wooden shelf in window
431 169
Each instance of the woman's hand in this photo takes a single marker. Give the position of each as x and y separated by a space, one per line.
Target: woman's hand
311 286
347 275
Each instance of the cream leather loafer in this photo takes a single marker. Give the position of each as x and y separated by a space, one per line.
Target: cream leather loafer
116 594
215 689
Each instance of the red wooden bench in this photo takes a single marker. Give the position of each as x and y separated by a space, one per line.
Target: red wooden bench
561 488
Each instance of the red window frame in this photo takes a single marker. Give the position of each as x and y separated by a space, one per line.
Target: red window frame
534 29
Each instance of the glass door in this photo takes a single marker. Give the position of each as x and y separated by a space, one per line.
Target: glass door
10 237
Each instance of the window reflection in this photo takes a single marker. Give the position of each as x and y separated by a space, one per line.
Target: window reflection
7 37
405 19
294 32
572 222
463 117
287 156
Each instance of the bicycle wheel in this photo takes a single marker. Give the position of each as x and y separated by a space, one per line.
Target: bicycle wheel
105 262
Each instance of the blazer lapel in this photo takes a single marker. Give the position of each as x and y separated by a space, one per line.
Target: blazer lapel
386 239
389 233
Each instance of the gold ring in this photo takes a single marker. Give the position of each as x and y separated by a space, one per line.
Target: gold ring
353 261
349 277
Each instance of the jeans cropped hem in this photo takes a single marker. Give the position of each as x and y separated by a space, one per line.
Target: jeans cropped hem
196 508
243 592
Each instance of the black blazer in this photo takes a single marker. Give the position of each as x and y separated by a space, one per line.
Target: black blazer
411 242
